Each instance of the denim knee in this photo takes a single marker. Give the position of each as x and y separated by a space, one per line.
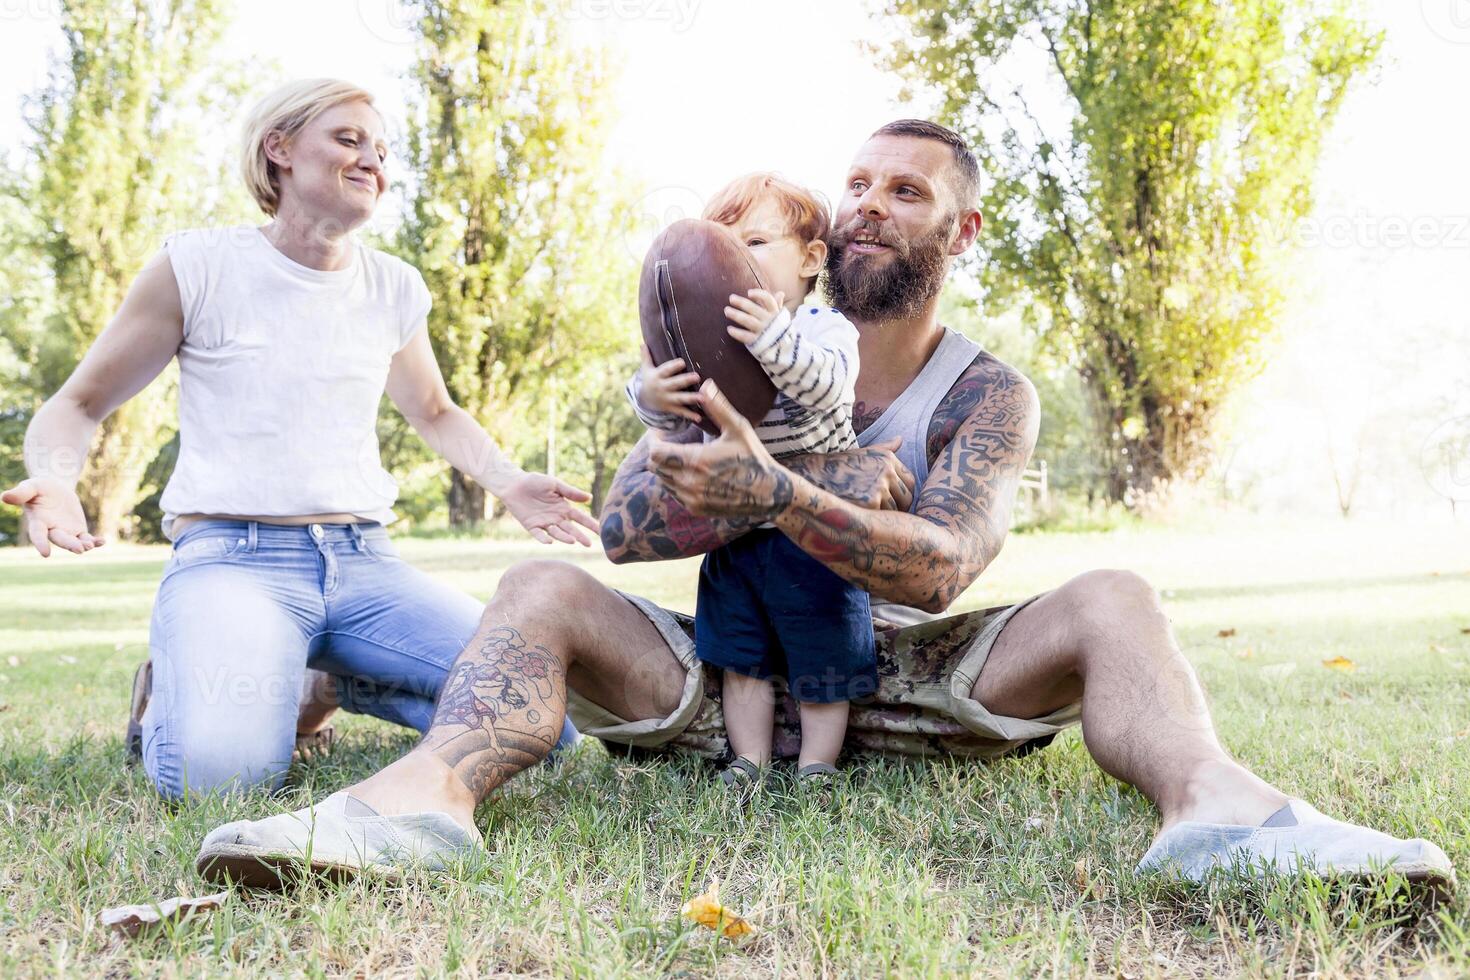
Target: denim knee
206 767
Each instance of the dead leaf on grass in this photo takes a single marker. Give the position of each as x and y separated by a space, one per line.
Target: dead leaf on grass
1436 648
131 920
1226 633
707 911
1340 663
1246 653
1090 885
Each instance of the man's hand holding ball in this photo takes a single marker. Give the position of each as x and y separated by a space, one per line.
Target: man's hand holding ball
732 476
735 476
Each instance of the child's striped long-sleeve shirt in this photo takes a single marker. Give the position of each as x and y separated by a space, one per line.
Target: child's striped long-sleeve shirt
812 358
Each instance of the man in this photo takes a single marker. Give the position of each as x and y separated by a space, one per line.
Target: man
914 519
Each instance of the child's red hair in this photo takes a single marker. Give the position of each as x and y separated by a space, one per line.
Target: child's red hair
806 212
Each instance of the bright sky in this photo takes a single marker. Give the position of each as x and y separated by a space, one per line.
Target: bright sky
1378 335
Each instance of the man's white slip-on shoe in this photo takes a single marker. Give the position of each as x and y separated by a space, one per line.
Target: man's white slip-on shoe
340 837
1297 838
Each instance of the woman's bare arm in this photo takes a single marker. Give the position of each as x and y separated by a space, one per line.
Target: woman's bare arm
545 506
130 352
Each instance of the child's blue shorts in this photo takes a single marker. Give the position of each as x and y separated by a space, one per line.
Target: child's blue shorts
768 609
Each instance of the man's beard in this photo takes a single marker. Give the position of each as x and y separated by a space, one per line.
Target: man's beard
867 289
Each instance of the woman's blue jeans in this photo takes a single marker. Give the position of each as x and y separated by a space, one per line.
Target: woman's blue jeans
245 608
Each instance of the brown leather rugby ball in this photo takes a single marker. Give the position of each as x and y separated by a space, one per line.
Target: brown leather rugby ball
691 269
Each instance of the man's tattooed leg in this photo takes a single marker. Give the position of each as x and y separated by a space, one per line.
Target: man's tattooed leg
500 711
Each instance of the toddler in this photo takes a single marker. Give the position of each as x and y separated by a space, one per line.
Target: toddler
766 608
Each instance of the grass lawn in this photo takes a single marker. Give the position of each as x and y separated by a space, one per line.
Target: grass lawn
1020 868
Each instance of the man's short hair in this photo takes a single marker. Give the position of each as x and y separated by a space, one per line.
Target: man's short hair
966 183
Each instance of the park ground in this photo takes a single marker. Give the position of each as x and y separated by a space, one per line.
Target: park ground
1021 868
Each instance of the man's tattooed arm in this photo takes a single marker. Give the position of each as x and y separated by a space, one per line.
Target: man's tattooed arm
979 441
642 521
500 711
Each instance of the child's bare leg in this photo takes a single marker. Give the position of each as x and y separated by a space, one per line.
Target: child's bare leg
823 727
750 716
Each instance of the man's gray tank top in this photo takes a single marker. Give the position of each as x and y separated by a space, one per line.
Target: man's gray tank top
908 419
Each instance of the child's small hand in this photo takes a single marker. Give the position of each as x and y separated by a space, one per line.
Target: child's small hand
752 313
663 388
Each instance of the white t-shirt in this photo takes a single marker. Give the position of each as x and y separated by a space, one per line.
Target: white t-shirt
280 374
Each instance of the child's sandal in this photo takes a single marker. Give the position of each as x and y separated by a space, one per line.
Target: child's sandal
818 779
816 774
741 777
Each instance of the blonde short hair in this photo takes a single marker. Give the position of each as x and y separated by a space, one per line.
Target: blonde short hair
288 110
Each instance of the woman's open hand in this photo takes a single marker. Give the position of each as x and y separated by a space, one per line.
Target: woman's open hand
52 513
546 508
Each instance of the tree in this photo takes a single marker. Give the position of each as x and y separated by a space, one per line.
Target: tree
599 426
112 165
512 218
1145 233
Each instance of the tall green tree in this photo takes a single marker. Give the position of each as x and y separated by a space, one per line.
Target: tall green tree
512 217
598 426
112 164
1141 203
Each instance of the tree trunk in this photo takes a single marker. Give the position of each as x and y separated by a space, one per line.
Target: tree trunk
466 501
598 488
1137 467
126 442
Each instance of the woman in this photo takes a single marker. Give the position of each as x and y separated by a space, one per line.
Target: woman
287 336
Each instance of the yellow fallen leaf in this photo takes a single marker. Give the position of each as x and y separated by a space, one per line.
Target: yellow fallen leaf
1340 663
1246 653
1436 648
707 911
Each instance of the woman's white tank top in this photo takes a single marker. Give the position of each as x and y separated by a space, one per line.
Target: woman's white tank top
280 375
